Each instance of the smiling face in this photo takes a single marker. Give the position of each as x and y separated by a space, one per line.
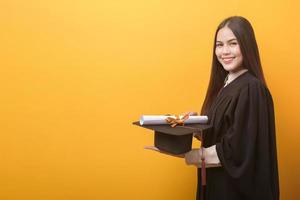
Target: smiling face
228 50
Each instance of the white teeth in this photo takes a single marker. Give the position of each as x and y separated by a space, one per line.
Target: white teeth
227 59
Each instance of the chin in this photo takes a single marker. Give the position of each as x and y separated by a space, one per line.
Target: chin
230 69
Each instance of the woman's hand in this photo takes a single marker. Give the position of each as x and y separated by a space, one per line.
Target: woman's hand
153 148
193 157
190 113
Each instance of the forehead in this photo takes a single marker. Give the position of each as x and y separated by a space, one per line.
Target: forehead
225 34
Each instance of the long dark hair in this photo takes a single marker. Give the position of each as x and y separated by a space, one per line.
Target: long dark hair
244 34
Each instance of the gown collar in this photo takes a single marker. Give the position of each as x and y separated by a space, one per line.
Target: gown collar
232 76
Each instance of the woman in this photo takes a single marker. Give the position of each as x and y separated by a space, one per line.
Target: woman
241 111
240 148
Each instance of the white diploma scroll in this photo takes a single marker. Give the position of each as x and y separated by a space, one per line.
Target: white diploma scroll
161 119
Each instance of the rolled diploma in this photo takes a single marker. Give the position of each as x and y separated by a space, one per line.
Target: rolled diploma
161 119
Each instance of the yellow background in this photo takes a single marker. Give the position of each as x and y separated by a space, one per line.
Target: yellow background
75 74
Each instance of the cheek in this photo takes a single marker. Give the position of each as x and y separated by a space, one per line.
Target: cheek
239 55
217 52
237 51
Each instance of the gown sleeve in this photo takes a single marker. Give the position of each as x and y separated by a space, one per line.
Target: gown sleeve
248 149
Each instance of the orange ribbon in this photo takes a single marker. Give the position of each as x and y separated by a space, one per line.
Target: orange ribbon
177 120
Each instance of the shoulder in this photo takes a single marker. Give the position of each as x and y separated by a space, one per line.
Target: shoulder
255 84
254 87
248 86
250 93
245 86
250 82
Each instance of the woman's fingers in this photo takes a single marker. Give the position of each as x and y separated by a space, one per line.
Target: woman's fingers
190 113
193 113
193 157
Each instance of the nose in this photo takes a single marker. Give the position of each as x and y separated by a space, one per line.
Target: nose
225 49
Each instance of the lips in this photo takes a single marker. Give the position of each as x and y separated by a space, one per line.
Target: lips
227 59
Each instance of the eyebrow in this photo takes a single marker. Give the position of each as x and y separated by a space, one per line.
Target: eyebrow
229 40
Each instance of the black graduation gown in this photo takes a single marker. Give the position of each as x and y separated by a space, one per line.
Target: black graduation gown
243 131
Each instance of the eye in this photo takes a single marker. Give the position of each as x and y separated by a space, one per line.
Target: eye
233 43
219 45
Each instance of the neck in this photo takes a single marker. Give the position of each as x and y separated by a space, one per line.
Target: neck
233 75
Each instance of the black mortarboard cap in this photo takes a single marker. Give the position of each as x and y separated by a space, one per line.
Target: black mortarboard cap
174 140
